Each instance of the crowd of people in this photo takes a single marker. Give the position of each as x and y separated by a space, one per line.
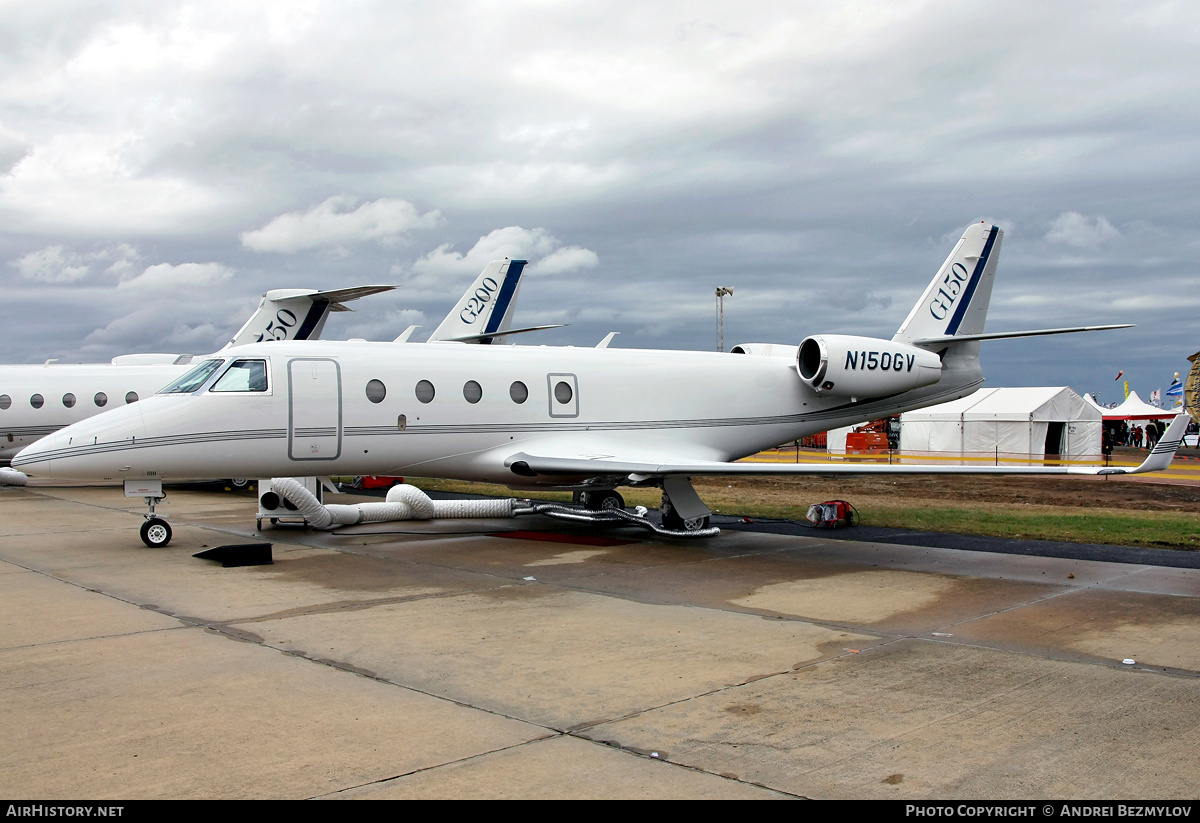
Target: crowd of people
1121 433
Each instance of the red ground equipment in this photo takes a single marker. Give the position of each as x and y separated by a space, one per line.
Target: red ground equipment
832 514
370 481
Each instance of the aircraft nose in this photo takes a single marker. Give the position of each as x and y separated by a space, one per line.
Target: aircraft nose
33 459
90 449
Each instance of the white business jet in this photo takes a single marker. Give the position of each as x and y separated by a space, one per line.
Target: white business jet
36 400
538 417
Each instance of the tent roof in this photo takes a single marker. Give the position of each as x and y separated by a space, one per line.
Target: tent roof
1018 403
1134 408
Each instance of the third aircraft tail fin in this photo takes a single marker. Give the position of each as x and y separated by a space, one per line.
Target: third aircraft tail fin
486 308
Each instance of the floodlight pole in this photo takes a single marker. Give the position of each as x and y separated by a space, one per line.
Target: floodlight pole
722 292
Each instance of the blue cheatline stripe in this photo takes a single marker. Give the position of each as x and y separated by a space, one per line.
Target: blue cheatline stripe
969 292
315 312
511 278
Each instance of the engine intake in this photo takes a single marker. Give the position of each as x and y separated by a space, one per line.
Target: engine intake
851 366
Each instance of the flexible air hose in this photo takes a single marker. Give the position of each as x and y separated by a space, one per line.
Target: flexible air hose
12 477
404 502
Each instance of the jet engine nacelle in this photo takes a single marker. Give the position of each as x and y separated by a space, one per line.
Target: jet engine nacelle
765 350
864 366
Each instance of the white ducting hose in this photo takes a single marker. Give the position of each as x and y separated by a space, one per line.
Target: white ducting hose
12 477
404 502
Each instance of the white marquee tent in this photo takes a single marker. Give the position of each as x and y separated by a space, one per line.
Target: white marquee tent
1134 408
1016 422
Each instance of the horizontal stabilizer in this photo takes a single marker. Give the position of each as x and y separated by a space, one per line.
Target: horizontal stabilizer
471 338
346 295
1004 335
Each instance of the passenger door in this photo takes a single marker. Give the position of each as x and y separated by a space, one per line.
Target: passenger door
314 409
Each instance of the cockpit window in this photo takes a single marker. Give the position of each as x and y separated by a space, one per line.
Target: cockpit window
194 379
243 375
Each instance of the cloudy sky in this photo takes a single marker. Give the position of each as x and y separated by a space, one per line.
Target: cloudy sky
164 163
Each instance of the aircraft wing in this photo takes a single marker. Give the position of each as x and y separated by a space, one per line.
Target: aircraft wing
549 464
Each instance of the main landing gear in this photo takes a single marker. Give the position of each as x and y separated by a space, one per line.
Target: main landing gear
672 519
600 500
681 508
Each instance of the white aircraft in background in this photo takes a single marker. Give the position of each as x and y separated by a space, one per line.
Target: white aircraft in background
36 400
540 417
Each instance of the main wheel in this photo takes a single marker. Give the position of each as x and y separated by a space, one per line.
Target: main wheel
606 500
156 532
671 519
239 482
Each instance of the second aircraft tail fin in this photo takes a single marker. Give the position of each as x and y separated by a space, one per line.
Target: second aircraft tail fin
297 314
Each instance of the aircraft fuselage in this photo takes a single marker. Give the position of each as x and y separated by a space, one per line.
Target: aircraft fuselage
449 410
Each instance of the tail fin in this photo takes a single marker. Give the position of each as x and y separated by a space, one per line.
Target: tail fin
956 302
296 314
486 307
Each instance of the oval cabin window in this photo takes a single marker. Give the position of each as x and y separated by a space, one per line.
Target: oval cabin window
69 400
131 397
101 399
425 391
472 391
37 401
376 391
519 392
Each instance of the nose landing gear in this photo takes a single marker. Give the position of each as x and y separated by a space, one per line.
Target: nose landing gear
155 531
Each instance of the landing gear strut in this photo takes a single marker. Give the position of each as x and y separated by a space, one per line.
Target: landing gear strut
156 531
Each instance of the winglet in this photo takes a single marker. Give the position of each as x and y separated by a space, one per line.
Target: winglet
1163 453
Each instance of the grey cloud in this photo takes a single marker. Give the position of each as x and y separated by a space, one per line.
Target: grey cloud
815 157
337 224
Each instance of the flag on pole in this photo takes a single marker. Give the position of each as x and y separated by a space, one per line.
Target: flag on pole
1156 397
1175 391
1126 388
1118 377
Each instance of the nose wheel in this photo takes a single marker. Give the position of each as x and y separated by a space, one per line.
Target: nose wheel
156 532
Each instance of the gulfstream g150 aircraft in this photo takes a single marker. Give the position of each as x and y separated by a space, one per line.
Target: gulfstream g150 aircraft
549 417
